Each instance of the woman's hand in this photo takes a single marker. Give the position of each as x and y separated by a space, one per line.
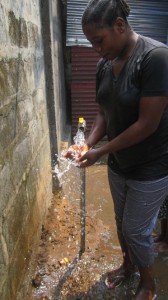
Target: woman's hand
74 152
89 158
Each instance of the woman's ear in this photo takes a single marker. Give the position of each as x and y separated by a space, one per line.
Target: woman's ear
120 24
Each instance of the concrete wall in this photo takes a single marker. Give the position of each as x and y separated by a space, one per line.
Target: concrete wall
28 137
59 49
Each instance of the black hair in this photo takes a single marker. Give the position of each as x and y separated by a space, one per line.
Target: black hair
104 12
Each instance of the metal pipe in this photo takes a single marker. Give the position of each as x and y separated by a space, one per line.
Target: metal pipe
82 129
83 210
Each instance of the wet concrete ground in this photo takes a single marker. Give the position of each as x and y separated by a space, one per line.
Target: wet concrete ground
83 276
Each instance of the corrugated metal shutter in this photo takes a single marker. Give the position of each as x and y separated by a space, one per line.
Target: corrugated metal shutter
148 18
83 89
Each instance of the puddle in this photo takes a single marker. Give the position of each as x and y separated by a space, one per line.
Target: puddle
83 277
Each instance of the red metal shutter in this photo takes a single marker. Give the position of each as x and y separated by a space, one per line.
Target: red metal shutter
83 86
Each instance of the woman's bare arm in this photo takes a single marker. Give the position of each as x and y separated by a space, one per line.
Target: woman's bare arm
98 130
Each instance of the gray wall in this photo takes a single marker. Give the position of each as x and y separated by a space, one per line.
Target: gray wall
59 50
29 138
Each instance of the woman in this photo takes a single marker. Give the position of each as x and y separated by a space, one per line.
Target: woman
132 94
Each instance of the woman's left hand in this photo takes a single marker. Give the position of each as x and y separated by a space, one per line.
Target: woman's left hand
89 158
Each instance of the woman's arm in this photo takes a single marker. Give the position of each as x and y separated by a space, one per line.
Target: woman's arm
98 130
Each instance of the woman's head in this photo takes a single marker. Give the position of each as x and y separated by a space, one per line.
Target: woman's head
103 13
105 25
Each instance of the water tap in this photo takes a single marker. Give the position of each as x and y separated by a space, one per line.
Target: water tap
82 124
79 138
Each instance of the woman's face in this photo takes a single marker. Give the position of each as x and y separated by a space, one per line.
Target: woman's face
108 42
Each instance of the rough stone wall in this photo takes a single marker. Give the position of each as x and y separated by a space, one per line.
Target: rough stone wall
25 177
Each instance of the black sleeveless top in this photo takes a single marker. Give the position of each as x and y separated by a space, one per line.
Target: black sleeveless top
144 74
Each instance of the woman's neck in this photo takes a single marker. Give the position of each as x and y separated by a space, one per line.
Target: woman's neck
127 51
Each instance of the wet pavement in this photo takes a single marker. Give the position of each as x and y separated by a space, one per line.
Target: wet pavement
84 274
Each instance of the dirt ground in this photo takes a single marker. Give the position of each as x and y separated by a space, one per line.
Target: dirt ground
81 277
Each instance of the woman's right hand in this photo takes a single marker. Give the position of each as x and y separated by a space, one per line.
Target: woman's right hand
89 158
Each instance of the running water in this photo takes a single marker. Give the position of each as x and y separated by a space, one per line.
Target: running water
71 181
79 138
67 170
